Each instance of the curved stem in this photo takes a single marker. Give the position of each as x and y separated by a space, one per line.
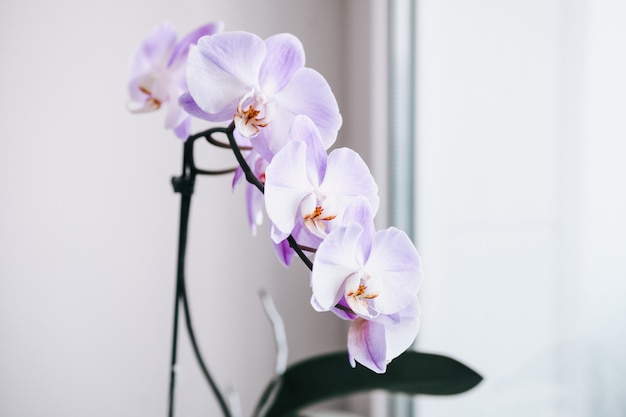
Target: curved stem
196 349
217 172
307 248
174 355
252 179
207 134
219 144
185 185
294 245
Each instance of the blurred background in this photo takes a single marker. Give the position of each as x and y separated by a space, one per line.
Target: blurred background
516 193
521 203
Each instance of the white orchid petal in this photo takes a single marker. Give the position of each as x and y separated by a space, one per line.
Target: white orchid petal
151 57
347 176
303 129
359 211
286 185
401 334
285 55
277 132
367 345
308 93
335 261
179 55
222 68
394 259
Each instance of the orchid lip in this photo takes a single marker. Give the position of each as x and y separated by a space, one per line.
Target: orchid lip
315 222
151 104
358 295
254 111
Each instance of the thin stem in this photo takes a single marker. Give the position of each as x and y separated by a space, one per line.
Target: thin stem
207 134
294 245
217 172
307 248
185 185
219 144
174 354
196 349
252 179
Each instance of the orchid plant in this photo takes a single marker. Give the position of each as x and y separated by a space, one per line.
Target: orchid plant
281 118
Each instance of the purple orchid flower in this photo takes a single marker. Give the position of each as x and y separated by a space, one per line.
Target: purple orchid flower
157 74
375 274
305 186
261 86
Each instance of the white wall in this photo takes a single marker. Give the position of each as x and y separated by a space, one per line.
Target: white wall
88 220
521 202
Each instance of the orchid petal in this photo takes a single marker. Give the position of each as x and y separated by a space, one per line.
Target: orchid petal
222 68
286 185
284 56
153 54
367 345
308 93
261 143
344 312
254 200
283 250
188 104
304 130
175 115
182 49
316 305
304 238
272 138
335 260
183 128
395 260
278 235
401 334
347 176
359 211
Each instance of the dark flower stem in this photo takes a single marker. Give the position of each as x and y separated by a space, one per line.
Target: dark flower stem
185 186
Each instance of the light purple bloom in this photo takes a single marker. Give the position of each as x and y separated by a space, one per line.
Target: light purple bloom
261 86
305 186
254 197
377 275
157 74
375 342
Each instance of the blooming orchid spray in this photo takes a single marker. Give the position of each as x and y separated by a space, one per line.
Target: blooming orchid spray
157 74
281 119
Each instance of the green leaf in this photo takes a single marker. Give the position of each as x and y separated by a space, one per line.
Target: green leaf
329 376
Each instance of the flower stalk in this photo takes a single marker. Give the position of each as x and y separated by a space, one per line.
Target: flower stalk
281 120
184 185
